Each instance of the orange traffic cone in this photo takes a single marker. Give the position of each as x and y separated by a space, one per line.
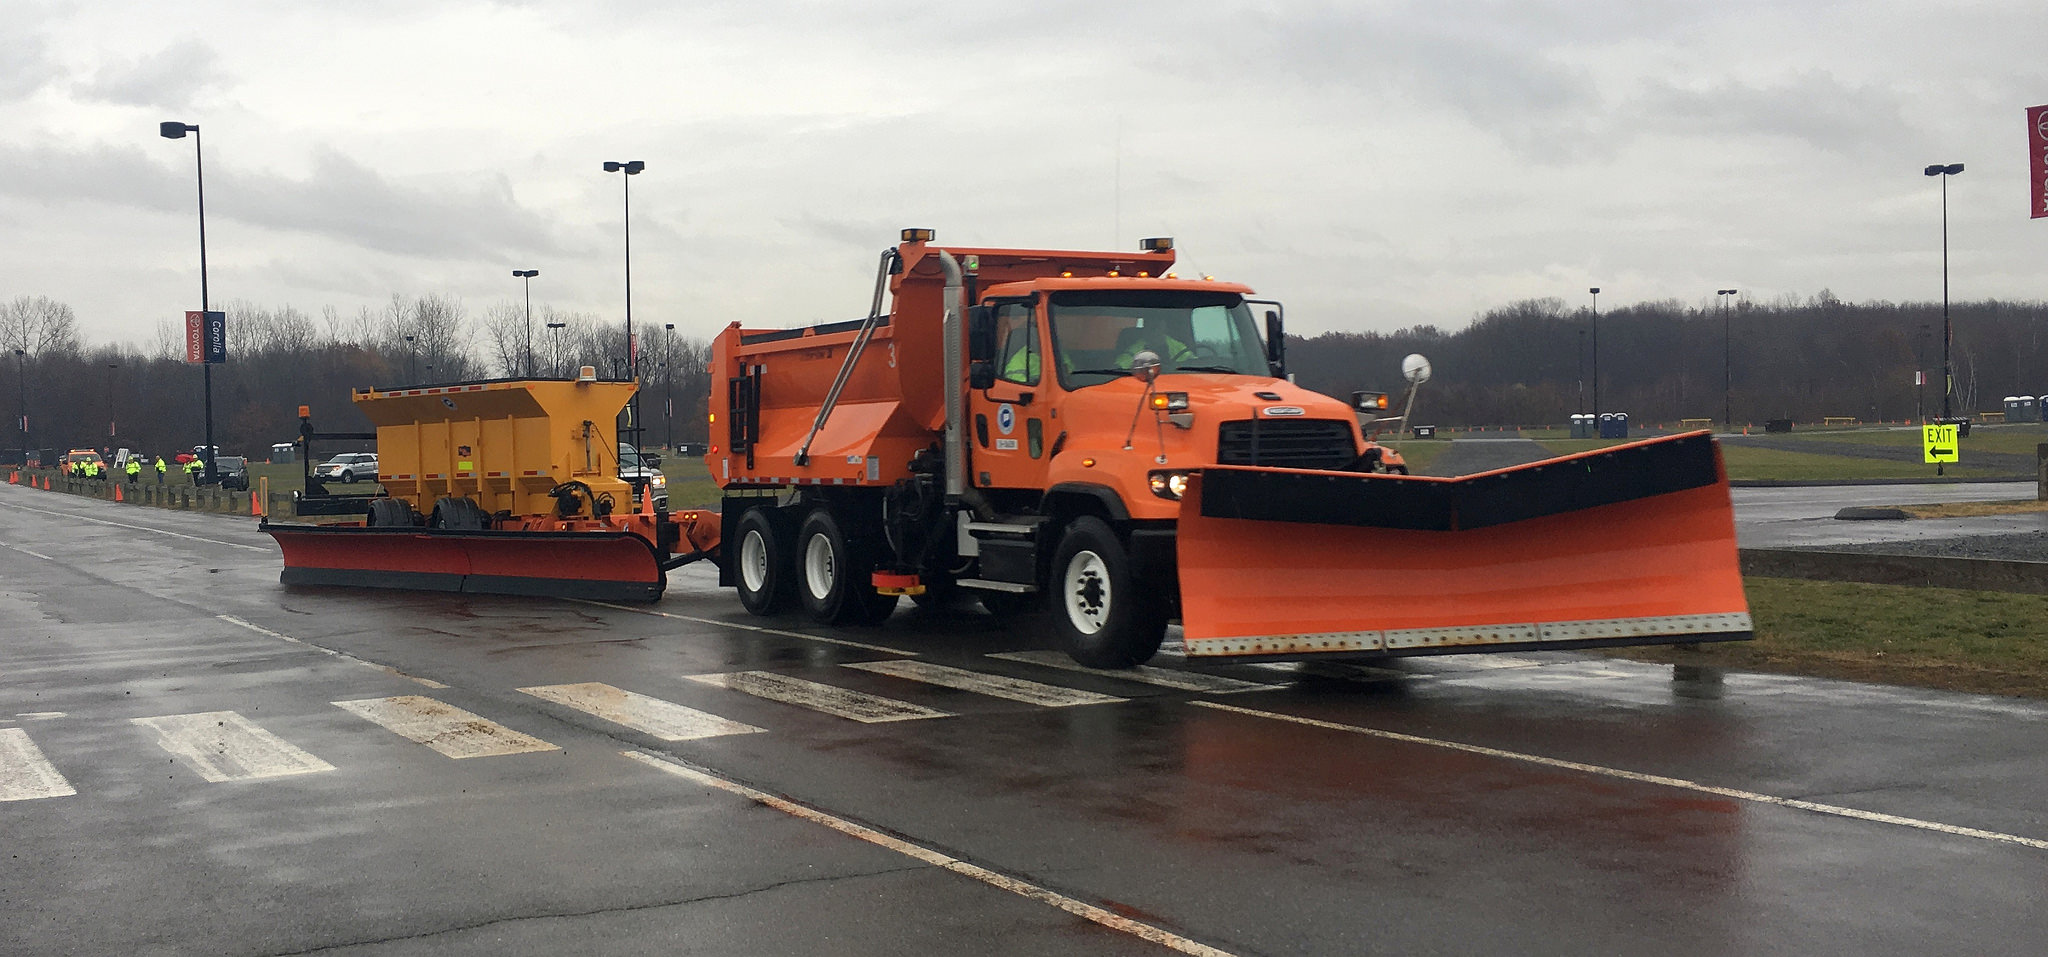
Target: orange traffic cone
255 505
14 478
117 492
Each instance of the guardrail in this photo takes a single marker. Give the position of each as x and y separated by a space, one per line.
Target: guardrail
196 498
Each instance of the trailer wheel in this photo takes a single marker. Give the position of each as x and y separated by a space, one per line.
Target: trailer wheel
833 574
1099 611
457 513
761 563
390 512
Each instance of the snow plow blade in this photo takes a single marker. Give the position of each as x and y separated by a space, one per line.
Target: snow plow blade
601 566
1628 545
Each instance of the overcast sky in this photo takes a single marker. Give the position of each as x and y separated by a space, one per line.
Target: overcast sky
1373 165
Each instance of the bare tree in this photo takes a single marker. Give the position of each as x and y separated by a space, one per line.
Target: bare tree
38 325
508 339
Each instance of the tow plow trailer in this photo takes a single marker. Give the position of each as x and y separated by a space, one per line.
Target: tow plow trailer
506 487
1629 545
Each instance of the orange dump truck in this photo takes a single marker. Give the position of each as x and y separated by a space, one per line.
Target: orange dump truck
1090 432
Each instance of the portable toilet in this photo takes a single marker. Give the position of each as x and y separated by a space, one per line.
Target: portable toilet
2022 408
1614 425
283 452
1582 426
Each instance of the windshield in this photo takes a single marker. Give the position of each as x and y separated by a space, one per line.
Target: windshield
1096 334
629 457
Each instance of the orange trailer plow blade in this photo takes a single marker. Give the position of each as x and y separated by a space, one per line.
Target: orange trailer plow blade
1633 544
602 566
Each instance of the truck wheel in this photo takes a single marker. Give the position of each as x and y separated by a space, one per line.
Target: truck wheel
833 575
1098 610
761 564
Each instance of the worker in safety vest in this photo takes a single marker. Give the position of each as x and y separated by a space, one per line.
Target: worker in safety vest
1151 339
134 469
193 468
161 468
92 469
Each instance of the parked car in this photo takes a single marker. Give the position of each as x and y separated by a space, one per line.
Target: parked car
232 470
641 471
348 468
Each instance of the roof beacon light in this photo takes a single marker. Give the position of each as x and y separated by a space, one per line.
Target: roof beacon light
1157 244
917 235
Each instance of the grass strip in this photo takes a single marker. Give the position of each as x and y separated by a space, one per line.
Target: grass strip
1973 509
1944 638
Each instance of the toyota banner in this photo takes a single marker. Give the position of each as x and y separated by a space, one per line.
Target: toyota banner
2037 158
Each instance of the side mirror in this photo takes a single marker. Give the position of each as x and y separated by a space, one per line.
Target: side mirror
1276 344
981 374
651 459
981 334
1145 366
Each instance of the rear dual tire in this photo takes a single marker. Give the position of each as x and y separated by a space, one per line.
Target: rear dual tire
835 579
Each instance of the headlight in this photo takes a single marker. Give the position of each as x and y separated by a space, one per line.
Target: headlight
1168 484
660 480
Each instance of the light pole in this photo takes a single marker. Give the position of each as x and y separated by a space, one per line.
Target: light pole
630 169
555 362
668 377
111 367
1920 376
1727 360
21 380
1582 371
527 333
1947 332
173 130
412 361
1596 350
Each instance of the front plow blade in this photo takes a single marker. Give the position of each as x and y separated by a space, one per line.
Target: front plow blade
1633 544
601 566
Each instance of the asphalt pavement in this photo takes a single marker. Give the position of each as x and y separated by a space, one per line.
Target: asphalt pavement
195 759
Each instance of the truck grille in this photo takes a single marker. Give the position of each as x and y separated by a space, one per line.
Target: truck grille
1287 443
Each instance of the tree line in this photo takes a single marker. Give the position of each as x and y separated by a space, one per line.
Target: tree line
146 397
1525 363
1531 362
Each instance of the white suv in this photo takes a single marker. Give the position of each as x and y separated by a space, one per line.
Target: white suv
348 467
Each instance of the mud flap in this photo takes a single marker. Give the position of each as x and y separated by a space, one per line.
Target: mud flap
601 566
1634 544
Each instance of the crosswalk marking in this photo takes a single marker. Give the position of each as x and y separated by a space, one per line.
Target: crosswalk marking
224 746
842 702
25 774
443 727
662 719
1163 677
1015 689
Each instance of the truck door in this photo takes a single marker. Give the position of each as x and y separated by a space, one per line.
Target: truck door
1009 428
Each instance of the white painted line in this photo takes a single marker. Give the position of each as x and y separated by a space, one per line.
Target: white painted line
841 702
25 774
69 516
1163 677
841 642
669 722
997 686
38 715
343 655
24 551
443 727
1021 888
1657 779
224 746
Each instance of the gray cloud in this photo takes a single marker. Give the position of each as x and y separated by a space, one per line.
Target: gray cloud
1813 108
172 77
340 200
25 63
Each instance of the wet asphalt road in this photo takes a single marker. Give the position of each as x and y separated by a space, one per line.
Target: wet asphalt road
1510 804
